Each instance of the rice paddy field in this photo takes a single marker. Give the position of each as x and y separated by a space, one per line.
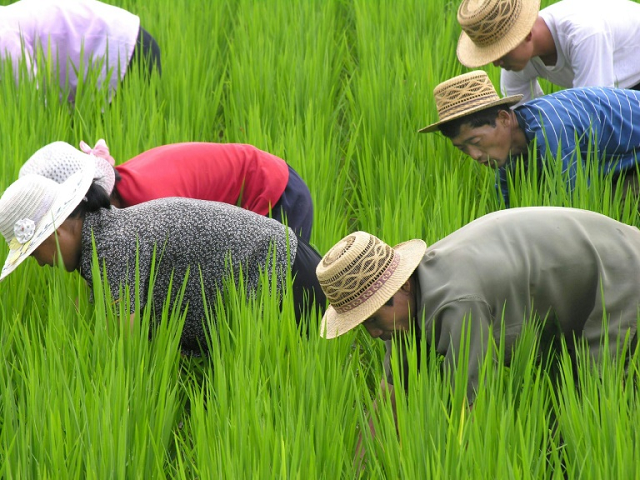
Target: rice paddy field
339 89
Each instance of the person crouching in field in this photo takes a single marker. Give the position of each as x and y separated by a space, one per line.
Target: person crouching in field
572 268
75 35
238 174
163 241
574 127
572 43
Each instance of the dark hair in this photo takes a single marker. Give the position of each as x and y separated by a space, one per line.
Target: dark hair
475 120
389 303
95 199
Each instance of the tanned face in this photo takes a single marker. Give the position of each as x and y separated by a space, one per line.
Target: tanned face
488 145
517 58
67 240
393 319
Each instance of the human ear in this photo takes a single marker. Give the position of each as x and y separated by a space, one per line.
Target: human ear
504 117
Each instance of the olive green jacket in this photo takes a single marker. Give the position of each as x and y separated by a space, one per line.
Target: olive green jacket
569 268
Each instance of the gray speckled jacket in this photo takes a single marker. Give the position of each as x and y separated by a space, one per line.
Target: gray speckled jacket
188 235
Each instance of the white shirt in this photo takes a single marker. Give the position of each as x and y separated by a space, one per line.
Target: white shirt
74 34
597 42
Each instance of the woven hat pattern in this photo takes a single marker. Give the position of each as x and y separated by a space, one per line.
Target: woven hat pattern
59 160
493 28
489 22
360 276
463 93
466 94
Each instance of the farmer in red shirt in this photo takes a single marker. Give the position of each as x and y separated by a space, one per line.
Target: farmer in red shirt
237 174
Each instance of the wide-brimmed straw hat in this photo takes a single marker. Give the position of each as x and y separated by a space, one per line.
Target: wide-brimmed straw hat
33 207
359 275
466 94
59 160
492 28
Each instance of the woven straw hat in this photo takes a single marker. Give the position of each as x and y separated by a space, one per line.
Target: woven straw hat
59 160
465 94
33 207
492 28
359 275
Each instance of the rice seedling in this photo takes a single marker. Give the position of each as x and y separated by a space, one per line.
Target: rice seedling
338 88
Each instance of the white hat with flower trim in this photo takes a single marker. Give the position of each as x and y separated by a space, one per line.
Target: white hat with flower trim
59 160
33 207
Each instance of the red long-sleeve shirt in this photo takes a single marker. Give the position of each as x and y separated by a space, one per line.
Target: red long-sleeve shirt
232 173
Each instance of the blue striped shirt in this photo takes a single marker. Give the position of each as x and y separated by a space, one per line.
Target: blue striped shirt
577 124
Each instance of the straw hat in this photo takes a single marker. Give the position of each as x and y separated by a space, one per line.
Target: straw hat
59 160
359 275
465 94
492 28
33 207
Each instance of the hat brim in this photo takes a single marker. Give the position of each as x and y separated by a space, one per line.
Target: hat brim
335 324
69 196
472 56
509 101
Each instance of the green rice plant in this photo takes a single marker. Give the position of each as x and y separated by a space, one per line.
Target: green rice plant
509 432
595 409
89 398
292 93
545 183
338 89
272 400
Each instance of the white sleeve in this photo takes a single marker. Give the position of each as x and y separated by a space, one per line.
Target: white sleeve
521 83
592 61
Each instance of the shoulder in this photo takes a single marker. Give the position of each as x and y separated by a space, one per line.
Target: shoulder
536 114
574 20
575 13
560 106
591 100
105 226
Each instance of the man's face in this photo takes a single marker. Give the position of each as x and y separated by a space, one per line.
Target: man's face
487 145
517 58
392 320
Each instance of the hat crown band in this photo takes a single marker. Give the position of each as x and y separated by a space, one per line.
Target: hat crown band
374 287
355 269
453 108
490 22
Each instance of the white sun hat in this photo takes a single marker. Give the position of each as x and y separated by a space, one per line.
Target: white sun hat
33 207
59 160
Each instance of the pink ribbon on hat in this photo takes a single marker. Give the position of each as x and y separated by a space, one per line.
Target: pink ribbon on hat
100 150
